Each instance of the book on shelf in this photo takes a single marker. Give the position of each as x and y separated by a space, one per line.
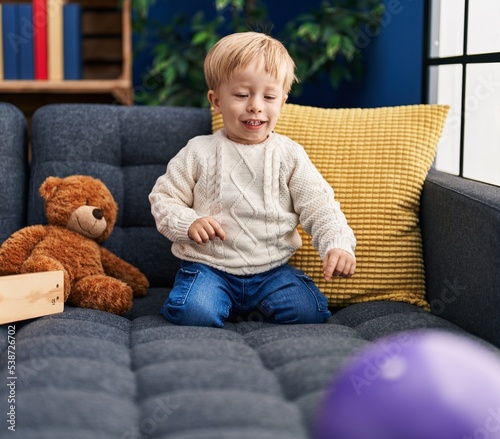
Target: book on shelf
25 44
55 44
10 37
1 44
72 54
40 38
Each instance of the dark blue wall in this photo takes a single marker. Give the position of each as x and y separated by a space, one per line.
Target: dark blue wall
393 57
393 60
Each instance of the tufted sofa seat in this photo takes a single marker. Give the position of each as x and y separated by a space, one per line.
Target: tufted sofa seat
86 374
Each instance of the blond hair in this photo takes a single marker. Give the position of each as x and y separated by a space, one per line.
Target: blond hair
237 51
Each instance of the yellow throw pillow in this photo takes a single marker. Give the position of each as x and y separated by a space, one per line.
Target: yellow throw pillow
376 160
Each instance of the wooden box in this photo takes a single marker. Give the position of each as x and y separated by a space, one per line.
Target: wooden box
25 296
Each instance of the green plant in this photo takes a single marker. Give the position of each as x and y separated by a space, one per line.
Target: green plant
322 42
326 41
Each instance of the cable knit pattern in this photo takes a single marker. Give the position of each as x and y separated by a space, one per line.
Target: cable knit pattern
258 193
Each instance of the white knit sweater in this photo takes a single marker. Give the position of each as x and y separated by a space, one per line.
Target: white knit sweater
258 194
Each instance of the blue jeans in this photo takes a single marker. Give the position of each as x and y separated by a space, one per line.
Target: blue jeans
205 296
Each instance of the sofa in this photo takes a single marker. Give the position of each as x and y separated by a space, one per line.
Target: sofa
87 374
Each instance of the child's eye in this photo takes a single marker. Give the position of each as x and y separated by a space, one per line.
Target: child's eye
241 95
270 98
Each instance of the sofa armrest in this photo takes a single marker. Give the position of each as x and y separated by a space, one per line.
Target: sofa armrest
13 170
460 222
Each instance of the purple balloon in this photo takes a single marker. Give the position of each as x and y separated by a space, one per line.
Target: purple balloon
415 385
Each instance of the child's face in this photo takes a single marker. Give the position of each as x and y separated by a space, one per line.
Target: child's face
250 103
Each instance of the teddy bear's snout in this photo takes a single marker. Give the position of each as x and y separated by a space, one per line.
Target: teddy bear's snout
98 214
88 221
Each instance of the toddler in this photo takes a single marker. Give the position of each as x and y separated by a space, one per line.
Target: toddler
231 201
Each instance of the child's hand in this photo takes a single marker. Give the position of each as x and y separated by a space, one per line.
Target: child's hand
205 229
338 262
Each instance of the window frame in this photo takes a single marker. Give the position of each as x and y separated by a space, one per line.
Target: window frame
464 60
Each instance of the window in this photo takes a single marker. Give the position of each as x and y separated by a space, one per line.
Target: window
462 69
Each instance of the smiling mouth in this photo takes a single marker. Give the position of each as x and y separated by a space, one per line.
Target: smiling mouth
253 123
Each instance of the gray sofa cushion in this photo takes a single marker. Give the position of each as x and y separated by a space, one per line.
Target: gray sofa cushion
13 170
90 374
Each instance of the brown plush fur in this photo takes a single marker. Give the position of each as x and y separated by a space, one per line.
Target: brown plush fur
81 213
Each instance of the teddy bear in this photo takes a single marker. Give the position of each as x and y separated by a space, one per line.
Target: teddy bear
81 213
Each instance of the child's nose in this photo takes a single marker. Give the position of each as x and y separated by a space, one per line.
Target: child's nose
254 106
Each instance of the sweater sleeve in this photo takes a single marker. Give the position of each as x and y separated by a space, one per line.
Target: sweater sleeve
319 213
172 196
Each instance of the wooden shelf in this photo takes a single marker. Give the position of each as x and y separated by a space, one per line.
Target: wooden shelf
107 59
120 88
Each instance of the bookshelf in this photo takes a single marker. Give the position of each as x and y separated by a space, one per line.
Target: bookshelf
107 62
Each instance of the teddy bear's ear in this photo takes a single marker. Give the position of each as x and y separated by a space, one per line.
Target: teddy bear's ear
49 187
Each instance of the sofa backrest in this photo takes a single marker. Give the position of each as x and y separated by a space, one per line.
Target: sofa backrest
13 170
127 148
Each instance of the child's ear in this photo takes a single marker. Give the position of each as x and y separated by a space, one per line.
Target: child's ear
285 98
214 100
